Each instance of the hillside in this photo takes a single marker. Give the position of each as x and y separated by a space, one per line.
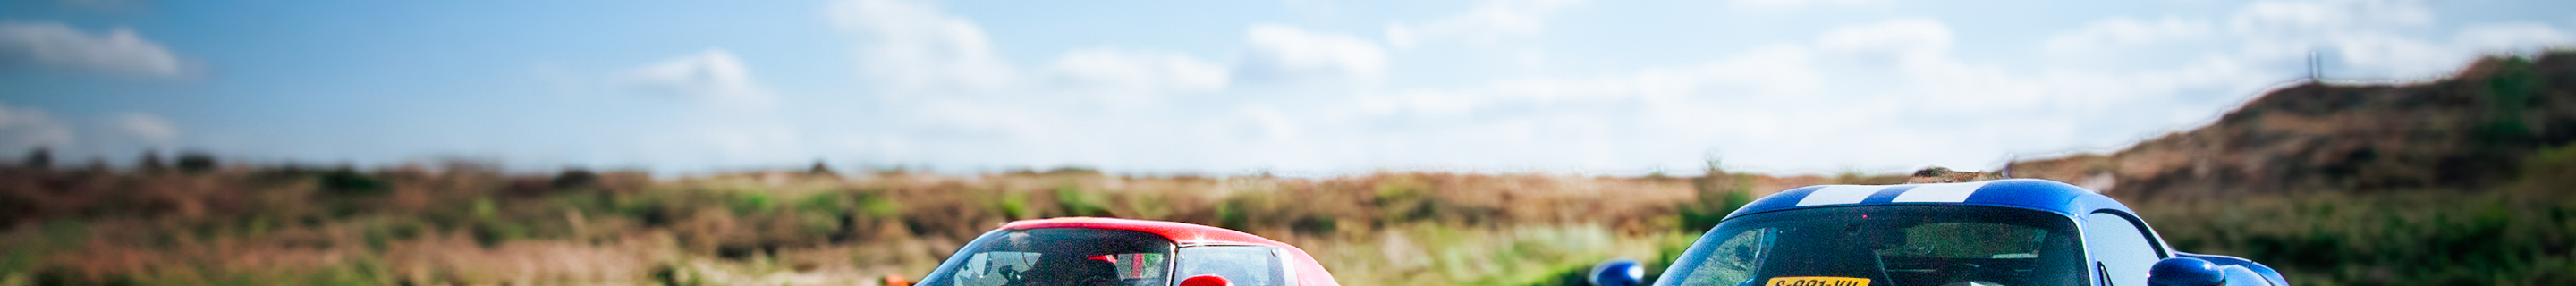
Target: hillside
2458 181
2474 130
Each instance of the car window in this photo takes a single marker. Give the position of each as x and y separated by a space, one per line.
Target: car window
1905 245
1734 259
994 267
1137 265
1243 265
2120 247
1968 240
1058 256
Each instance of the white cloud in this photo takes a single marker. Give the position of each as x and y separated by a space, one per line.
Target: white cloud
1485 24
2369 37
1264 123
2390 55
2518 38
964 105
2376 39
1804 3
1877 95
1131 74
2357 39
917 48
1905 42
2291 17
1280 52
148 129
22 128
713 75
1872 96
1768 71
2115 33
119 51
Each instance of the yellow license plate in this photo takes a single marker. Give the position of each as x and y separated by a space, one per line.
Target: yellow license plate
1817 281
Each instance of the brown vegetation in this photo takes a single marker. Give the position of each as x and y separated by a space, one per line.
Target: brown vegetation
2471 131
462 223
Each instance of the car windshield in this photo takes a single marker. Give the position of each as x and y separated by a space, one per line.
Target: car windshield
1058 256
1901 245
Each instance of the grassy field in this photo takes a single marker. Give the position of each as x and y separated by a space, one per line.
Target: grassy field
2515 234
2404 238
465 224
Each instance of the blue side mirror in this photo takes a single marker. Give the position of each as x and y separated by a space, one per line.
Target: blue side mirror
1618 272
2185 271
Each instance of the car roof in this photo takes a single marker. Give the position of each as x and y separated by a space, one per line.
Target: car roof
1308 272
2034 194
1179 233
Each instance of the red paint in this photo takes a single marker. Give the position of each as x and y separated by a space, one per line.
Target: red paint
1309 273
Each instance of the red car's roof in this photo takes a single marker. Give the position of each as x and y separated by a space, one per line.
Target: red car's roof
1308 272
1180 233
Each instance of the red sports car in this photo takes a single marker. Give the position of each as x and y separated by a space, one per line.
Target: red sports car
1090 251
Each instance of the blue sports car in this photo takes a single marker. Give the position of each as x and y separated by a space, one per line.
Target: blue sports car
2000 232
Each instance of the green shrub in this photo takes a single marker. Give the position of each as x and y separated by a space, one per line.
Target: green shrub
1072 201
1719 194
344 181
1014 205
1404 199
746 203
2400 238
2549 173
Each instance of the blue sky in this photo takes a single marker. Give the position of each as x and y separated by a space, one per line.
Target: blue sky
1223 87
